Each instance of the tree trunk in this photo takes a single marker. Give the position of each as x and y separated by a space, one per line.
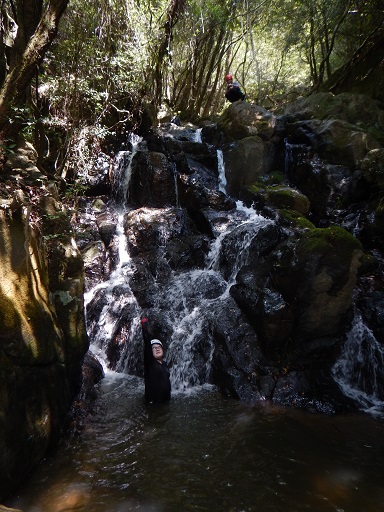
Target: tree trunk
174 12
21 76
28 15
363 74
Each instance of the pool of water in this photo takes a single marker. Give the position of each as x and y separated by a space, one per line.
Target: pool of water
202 452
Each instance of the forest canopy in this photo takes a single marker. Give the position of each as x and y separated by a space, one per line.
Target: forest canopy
109 62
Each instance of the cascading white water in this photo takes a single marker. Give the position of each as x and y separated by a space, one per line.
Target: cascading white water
183 298
242 216
176 187
197 137
221 169
189 297
103 328
359 370
122 171
186 298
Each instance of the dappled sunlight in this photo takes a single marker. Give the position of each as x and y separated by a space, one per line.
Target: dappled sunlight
21 283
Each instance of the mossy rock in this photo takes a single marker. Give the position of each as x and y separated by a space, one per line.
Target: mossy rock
242 119
286 197
373 167
295 219
332 244
267 180
356 109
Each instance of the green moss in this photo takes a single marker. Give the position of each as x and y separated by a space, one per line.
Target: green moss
255 189
275 178
285 197
368 264
333 242
295 219
261 185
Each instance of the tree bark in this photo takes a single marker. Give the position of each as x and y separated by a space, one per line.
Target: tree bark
364 72
28 15
21 76
174 12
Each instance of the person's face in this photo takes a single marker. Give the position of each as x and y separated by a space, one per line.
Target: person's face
157 351
229 80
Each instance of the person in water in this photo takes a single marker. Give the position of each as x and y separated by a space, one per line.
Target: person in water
233 91
156 372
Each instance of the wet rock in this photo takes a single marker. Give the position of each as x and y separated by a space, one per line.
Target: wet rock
187 252
372 309
106 223
373 168
339 142
97 181
245 245
354 109
183 152
152 180
313 390
83 405
168 234
143 285
195 195
237 359
94 264
43 335
245 161
242 119
306 287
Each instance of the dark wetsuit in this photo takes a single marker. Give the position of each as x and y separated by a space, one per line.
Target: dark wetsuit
156 375
234 93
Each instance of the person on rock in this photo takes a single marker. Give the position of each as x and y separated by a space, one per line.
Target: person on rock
233 91
156 372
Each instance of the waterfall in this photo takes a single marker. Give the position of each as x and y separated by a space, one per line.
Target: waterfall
243 216
185 299
197 135
122 171
176 187
108 299
359 370
221 169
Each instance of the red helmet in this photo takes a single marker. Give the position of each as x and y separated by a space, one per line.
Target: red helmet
228 77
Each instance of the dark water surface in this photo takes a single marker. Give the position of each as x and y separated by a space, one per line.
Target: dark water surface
202 452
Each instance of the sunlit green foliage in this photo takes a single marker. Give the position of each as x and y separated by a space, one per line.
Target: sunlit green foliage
113 57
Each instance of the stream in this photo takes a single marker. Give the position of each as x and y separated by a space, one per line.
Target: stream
202 451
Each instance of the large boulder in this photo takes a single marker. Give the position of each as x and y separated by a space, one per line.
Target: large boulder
43 337
246 161
373 168
242 119
165 235
237 359
198 190
299 299
153 180
336 141
354 109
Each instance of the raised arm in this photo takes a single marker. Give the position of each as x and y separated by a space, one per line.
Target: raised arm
147 341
